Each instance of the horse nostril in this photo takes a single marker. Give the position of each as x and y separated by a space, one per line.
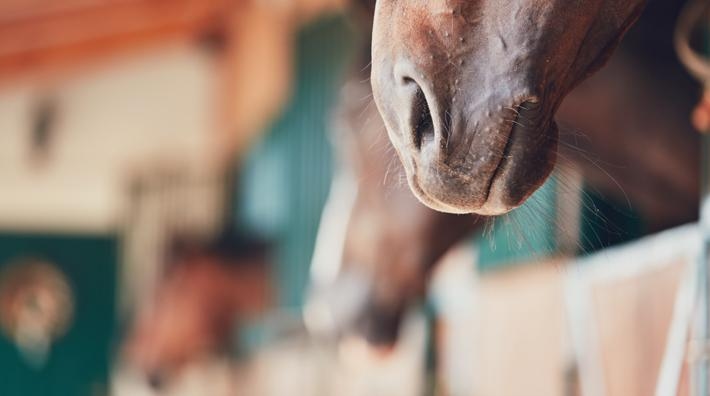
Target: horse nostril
421 119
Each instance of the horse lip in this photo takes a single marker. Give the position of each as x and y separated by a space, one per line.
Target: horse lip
540 122
427 199
528 114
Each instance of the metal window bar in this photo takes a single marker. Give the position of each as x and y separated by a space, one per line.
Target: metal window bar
696 14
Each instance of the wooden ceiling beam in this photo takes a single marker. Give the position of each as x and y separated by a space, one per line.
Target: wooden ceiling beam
34 37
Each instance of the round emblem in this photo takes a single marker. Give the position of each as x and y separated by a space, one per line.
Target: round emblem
36 306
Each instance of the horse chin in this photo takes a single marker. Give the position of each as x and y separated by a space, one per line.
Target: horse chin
529 159
440 205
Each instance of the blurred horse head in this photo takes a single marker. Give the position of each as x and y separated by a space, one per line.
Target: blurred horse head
195 308
392 241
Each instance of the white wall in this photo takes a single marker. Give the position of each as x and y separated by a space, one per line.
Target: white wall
119 119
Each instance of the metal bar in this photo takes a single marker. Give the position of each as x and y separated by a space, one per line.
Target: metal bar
700 358
702 362
694 15
677 340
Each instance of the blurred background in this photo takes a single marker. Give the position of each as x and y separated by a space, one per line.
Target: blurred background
198 197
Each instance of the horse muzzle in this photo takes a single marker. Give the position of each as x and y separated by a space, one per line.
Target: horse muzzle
469 154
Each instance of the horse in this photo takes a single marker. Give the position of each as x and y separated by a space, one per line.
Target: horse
468 90
206 289
392 242
396 241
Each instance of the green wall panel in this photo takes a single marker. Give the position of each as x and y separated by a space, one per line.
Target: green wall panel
285 180
78 362
530 232
607 223
525 234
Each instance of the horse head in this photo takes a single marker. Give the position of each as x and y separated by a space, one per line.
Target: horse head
391 242
468 89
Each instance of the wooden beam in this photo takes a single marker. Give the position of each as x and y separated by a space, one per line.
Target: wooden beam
35 36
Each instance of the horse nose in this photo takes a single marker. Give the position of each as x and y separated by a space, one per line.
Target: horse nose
420 120
421 123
